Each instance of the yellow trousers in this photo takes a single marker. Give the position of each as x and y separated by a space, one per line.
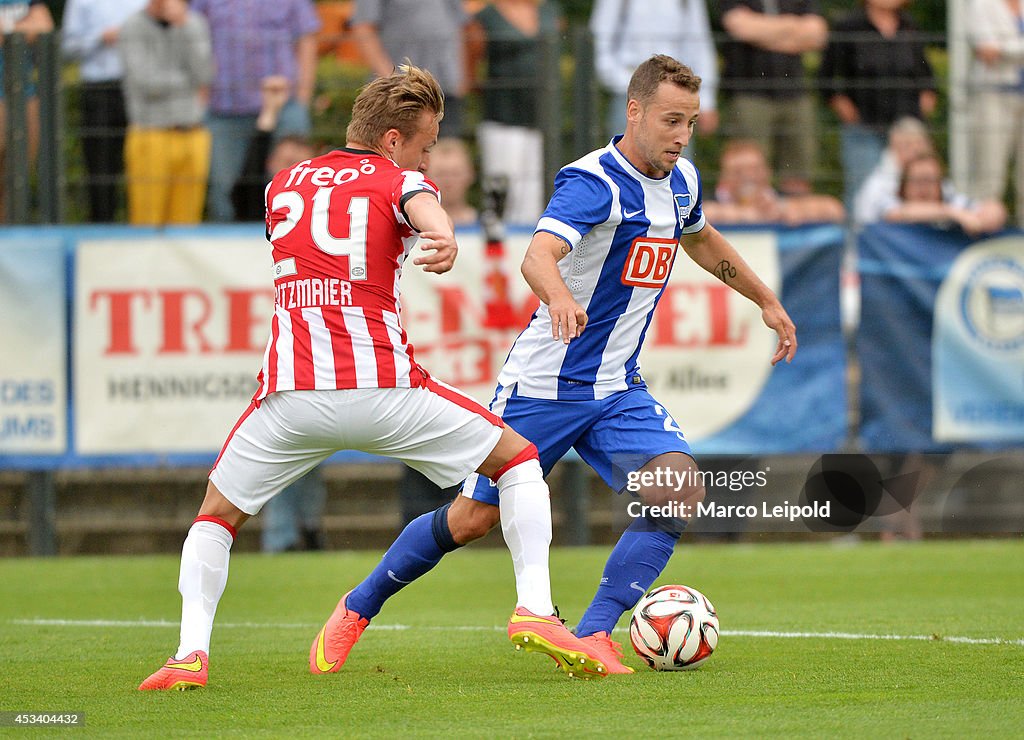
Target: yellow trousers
167 171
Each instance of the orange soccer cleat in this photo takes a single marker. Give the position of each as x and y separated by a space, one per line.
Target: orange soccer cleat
608 651
178 675
335 641
549 636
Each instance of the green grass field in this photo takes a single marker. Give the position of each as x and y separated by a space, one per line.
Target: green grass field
79 634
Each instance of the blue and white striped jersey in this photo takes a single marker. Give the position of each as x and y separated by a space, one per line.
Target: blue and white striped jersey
624 229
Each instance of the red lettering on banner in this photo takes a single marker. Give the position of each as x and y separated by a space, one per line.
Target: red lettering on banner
120 319
462 362
172 304
457 307
187 318
649 262
698 315
243 320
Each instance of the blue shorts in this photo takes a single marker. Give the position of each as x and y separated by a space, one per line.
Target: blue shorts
615 436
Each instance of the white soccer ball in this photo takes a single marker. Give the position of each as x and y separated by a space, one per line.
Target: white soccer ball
674 628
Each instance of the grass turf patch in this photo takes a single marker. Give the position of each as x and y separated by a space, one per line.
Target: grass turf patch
436 661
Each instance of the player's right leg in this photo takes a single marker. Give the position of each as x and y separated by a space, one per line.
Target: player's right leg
201 581
268 448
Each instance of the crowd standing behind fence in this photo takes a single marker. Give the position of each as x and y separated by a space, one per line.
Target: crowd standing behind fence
31 18
430 33
252 40
995 31
89 34
745 194
626 32
510 35
908 139
873 73
763 78
883 81
165 49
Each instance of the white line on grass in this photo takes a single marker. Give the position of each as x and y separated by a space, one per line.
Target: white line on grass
482 628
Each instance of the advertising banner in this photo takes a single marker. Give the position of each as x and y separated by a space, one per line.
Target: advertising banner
169 335
33 347
707 352
978 351
940 339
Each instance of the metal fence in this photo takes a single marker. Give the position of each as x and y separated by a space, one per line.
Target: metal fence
571 115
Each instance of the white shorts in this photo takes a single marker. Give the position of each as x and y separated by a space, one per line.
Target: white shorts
434 429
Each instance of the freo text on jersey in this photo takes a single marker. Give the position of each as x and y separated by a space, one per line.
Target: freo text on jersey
314 293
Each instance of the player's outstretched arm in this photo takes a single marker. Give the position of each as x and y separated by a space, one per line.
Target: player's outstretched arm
436 231
540 268
712 251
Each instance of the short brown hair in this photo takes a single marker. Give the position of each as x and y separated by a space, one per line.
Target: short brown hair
394 102
660 68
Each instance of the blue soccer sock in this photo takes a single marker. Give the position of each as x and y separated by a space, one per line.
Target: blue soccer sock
636 560
419 547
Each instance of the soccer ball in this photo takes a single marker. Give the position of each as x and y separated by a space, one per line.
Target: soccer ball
674 628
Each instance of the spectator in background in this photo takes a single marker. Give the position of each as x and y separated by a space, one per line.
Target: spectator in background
926 196
627 32
165 50
769 99
451 169
31 18
509 35
252 40
995 31
89 35
745 194
427 32
293 519
873 73
908 139
264 158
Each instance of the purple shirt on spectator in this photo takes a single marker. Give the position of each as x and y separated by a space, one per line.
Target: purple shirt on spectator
251 40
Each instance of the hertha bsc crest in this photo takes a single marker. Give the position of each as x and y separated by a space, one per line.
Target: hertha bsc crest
684 204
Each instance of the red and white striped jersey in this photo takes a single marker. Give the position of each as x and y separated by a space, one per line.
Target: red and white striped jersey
339 236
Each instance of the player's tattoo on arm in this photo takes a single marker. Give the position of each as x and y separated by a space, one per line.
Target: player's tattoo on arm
565 249
724 271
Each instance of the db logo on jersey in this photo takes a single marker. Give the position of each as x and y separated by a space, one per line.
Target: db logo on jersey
649 262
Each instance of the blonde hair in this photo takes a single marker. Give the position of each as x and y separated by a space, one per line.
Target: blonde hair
394 102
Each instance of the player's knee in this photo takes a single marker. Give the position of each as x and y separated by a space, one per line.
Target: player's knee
216 505
471 521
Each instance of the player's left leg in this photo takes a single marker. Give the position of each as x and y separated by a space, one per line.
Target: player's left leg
637 435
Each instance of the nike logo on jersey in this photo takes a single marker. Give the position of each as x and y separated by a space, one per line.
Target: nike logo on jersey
396 579
630 214
637 587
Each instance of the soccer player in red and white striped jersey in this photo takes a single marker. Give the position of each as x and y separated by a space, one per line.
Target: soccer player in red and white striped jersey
339 373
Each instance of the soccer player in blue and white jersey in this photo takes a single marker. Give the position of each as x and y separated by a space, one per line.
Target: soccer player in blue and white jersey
598 261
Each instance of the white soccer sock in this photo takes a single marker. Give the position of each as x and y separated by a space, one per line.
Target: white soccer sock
525 506
204 573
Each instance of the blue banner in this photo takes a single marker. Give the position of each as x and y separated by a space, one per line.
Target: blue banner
33 363
936 371
802 407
